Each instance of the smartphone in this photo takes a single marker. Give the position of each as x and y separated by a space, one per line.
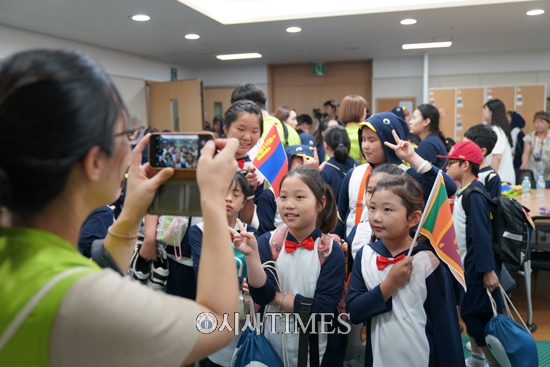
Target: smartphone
177 197
181 151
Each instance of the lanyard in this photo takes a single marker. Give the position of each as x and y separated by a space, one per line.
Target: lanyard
541 143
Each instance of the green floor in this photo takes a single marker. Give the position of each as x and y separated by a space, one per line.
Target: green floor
543 348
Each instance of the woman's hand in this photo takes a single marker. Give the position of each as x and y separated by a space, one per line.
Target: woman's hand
140 189
216 171
244 241
523 166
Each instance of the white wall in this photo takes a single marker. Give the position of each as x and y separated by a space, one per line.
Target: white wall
402 77
128 71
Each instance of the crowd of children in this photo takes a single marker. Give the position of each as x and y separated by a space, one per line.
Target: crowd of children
337 219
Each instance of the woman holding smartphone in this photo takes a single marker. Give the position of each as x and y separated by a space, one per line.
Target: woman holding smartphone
79 314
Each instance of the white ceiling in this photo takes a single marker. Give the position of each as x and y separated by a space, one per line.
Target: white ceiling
106 23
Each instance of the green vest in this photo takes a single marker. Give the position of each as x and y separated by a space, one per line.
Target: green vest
29 258
293 136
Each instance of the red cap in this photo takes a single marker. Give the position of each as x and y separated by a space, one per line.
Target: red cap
465 151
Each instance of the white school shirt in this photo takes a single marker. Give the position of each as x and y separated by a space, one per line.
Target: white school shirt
298 274
506 167
395 327
363 235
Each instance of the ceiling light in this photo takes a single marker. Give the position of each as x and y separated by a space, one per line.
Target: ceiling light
192 36
408 21
535 12
141 18
239 56
416 46
293 29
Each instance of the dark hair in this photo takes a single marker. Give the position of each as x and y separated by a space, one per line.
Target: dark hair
352 108
329 103
217 118
327 219
240 107
388 169
498 117
250 92
407 188
449 143
151 130
304 118
283 112
429 111
483 136
473 166
61 103
412 138
337 139
323 126
241 180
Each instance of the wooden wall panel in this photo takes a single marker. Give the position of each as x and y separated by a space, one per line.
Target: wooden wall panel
444 100
470 111
188 93
295 84
533 99
505 94
213 95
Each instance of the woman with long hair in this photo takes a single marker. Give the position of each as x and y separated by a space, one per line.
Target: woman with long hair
494 113
425 124
353 111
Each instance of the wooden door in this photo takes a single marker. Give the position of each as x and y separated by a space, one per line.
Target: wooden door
216 100
444 100
505 94
176 106
388 104
530 99
469 110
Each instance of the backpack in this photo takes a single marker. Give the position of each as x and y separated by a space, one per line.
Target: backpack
510 222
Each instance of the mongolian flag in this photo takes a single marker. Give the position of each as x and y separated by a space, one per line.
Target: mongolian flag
271 160
437 225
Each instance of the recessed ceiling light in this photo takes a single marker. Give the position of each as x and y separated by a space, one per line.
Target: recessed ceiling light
293 29
239 56
141 18
192 36
416 46
408 21
535 12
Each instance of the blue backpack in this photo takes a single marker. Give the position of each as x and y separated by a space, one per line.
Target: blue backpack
511 343
254 349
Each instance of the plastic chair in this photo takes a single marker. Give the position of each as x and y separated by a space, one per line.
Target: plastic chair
537 257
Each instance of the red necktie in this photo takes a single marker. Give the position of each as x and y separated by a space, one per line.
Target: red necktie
382 261
241 162
308 244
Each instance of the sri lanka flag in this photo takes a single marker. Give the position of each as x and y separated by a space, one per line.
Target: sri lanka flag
271 160
438 227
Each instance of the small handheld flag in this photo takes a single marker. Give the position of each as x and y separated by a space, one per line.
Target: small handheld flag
437 225
271 159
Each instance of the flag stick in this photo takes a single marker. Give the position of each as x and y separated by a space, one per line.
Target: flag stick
421 223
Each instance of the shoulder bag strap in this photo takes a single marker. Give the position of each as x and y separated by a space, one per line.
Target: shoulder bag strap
285 132
20 318
361 195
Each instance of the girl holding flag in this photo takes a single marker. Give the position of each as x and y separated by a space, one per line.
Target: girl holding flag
406 302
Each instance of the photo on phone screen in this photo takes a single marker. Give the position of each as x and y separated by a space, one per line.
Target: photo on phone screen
177 150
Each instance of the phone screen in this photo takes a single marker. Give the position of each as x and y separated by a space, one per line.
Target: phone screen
177 150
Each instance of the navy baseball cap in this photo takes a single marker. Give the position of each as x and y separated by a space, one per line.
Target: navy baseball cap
299 150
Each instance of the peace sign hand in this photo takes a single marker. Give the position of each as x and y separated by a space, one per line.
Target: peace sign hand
244 241
403 149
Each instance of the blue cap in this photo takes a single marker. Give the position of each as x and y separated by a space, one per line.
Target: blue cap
300 150
399 112
307 139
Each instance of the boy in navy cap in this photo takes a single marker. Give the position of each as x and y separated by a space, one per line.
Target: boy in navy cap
266 206
481 266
